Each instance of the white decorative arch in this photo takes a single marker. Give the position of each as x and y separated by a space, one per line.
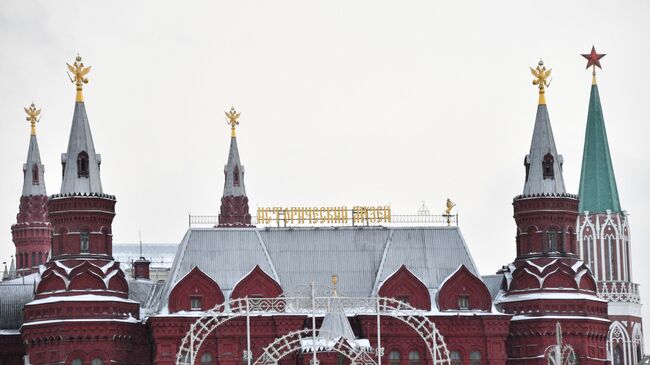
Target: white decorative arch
292 342
312 306
617 335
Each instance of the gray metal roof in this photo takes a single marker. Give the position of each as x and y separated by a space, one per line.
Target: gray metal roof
33 186
362 257
543 143
493 283
161 255
229 186
80 140
12 300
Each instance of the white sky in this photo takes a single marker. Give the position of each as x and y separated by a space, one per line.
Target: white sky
343 103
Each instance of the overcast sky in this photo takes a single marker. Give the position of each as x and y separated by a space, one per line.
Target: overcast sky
342 102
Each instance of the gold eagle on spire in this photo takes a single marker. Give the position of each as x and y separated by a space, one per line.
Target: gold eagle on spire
33 116
232 118
79 71
541 74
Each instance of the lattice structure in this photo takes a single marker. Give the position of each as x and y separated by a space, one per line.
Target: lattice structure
313 306
292 342
619 291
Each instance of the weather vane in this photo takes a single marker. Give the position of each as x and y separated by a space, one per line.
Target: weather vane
593 60
447 214
232 118
541 74
33 117
79 71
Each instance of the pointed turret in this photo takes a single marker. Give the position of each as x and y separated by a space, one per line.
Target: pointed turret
543 163
604 232
598 192
234 202
80 162
33 170
32 233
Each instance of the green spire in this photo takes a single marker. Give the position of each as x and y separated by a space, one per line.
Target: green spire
598 190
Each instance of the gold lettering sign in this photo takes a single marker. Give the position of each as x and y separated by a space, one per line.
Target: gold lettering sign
358 215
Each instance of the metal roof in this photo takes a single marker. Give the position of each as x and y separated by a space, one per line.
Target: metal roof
32 186
229 186
542 144
12 300
361 257
493 283
598 191
161 255
80 140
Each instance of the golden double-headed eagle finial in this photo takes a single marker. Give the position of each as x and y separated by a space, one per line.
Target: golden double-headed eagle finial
33 116
79 71
232 118
541 75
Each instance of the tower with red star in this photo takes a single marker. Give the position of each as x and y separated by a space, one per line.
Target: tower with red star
604 234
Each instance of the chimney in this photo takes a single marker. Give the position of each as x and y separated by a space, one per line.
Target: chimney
141 268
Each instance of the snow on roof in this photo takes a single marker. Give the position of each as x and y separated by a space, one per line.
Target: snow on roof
80 298
507 298
305 254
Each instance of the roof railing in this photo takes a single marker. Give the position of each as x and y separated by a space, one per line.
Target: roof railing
199 221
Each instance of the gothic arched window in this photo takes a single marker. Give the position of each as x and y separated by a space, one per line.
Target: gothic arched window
82 164
35 175
547 166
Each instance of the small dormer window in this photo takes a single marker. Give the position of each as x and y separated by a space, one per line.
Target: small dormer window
196 303
35 175
463 302
235 176
82 164
547 166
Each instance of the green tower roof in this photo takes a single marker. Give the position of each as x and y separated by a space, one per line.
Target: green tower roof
598 190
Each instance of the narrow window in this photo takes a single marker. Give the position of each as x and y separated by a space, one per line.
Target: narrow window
463 302
551 235
394 358
414 358
455 358
235 176
405 300
85 238
475 358
33 258
206 358
547 166
618 355
82 164
35 174
614 258
527 169
195 303
608 260
97 361
40 258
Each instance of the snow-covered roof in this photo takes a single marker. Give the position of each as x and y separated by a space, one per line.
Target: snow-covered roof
360 256
12 299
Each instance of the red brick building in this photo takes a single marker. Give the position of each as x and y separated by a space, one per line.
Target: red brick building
236 292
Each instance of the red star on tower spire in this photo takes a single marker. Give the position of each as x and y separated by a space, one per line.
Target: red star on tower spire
593 60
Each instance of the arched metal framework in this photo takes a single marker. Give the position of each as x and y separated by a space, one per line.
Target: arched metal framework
312 306
292 342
